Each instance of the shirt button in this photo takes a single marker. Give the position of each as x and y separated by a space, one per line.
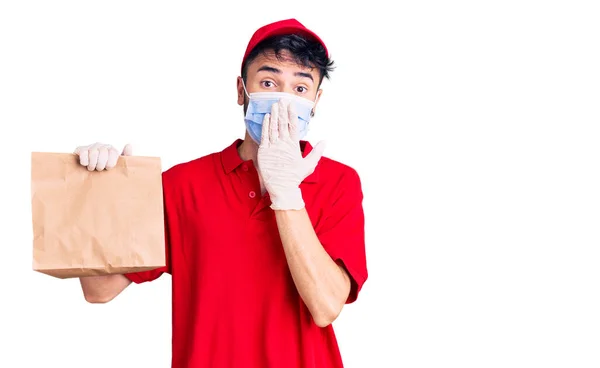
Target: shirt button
245 168
252 194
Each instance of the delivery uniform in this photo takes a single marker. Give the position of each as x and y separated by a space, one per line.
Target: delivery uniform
235 303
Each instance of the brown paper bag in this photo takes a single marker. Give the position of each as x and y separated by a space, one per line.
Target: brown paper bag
99 222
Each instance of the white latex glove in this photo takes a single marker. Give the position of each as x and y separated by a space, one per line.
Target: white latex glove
100 156
280 162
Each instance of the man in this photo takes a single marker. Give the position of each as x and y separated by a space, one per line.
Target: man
265 239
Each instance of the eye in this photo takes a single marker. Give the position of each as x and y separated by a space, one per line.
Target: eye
301 89
267 84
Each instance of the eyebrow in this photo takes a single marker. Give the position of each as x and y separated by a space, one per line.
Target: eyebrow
266 68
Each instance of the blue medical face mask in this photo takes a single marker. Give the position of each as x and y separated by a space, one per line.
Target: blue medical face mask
260 104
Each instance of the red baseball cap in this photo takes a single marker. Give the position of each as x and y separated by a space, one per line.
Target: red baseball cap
282 27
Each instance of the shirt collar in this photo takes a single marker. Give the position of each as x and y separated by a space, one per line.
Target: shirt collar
231 160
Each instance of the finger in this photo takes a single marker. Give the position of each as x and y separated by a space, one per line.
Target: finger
266 127
293 124
284 120
102 158
274 122
312 159
93 157
93 153
83 153
113 157
127 150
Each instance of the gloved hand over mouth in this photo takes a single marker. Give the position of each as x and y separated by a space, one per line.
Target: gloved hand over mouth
280 162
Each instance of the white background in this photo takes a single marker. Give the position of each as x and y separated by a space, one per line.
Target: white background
474 127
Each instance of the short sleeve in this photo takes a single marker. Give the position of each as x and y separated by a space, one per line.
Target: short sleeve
343 231
151 275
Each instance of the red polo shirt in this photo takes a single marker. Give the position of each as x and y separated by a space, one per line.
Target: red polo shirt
234 300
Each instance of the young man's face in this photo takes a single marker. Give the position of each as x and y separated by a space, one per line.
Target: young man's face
266 73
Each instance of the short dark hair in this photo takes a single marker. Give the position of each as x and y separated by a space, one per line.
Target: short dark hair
306 52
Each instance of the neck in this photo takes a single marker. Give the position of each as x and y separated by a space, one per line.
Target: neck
248 149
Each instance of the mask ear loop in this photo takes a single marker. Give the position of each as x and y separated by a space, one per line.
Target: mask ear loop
312 111
245 91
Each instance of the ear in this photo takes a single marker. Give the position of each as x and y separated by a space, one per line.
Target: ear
240 91
319 93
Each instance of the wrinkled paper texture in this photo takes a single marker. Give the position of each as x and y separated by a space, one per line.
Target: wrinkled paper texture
90 223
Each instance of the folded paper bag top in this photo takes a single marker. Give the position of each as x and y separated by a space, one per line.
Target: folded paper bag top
90 223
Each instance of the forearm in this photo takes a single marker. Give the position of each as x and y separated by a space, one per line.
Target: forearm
102 289
323 285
